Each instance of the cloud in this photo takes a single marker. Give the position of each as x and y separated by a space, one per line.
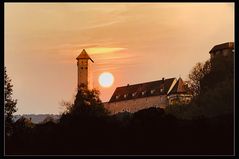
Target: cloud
104 50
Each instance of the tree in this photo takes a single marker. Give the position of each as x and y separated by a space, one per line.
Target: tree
199 71
48 119
87 104
9 102
218 100
88 101
212 85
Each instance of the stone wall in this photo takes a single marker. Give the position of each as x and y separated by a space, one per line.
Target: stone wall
135 105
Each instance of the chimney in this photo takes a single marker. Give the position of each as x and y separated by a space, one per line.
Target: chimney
162 89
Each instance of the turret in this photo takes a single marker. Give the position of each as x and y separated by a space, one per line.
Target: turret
84 70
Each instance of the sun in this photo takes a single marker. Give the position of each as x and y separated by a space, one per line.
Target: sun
106 79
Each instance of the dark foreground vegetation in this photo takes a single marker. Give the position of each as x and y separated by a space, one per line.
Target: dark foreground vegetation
203 127
146 132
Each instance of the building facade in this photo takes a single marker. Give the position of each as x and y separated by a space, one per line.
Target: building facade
159 94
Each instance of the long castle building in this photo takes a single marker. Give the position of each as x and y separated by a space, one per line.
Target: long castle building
160 94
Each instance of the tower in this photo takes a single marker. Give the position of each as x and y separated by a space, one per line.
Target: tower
84 70
221 55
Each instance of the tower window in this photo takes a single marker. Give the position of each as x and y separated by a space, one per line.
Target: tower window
85 67
81 67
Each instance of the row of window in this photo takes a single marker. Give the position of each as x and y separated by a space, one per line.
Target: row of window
83 68
142 93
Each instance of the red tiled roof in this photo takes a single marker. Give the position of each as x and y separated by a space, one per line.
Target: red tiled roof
153 88
84 55
228 45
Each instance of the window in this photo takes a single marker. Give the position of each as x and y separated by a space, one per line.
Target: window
143 93
161 90
152 91
81 67
125 95
133 94
117 97
85 67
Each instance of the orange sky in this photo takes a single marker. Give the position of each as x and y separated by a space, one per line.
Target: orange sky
136 42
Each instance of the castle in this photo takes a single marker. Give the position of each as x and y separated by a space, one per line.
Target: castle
160 93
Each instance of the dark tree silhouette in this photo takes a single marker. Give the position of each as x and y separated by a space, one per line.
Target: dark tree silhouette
199 71
87 104
9 103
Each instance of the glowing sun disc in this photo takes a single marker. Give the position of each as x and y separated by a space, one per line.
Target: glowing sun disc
106 79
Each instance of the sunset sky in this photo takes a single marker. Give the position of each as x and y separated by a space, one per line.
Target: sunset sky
136 42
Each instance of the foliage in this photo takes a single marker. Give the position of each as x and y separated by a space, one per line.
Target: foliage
218 100
9 102
88 101
87 104
185 111
23 122
48 119
162 134
196 75
212 84
66 106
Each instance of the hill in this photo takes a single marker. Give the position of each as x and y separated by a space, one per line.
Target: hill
36 118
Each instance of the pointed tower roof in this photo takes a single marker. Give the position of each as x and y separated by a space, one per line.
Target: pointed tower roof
179 87
84 55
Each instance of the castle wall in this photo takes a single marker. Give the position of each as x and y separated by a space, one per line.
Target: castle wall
226 52
179 99
135 105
